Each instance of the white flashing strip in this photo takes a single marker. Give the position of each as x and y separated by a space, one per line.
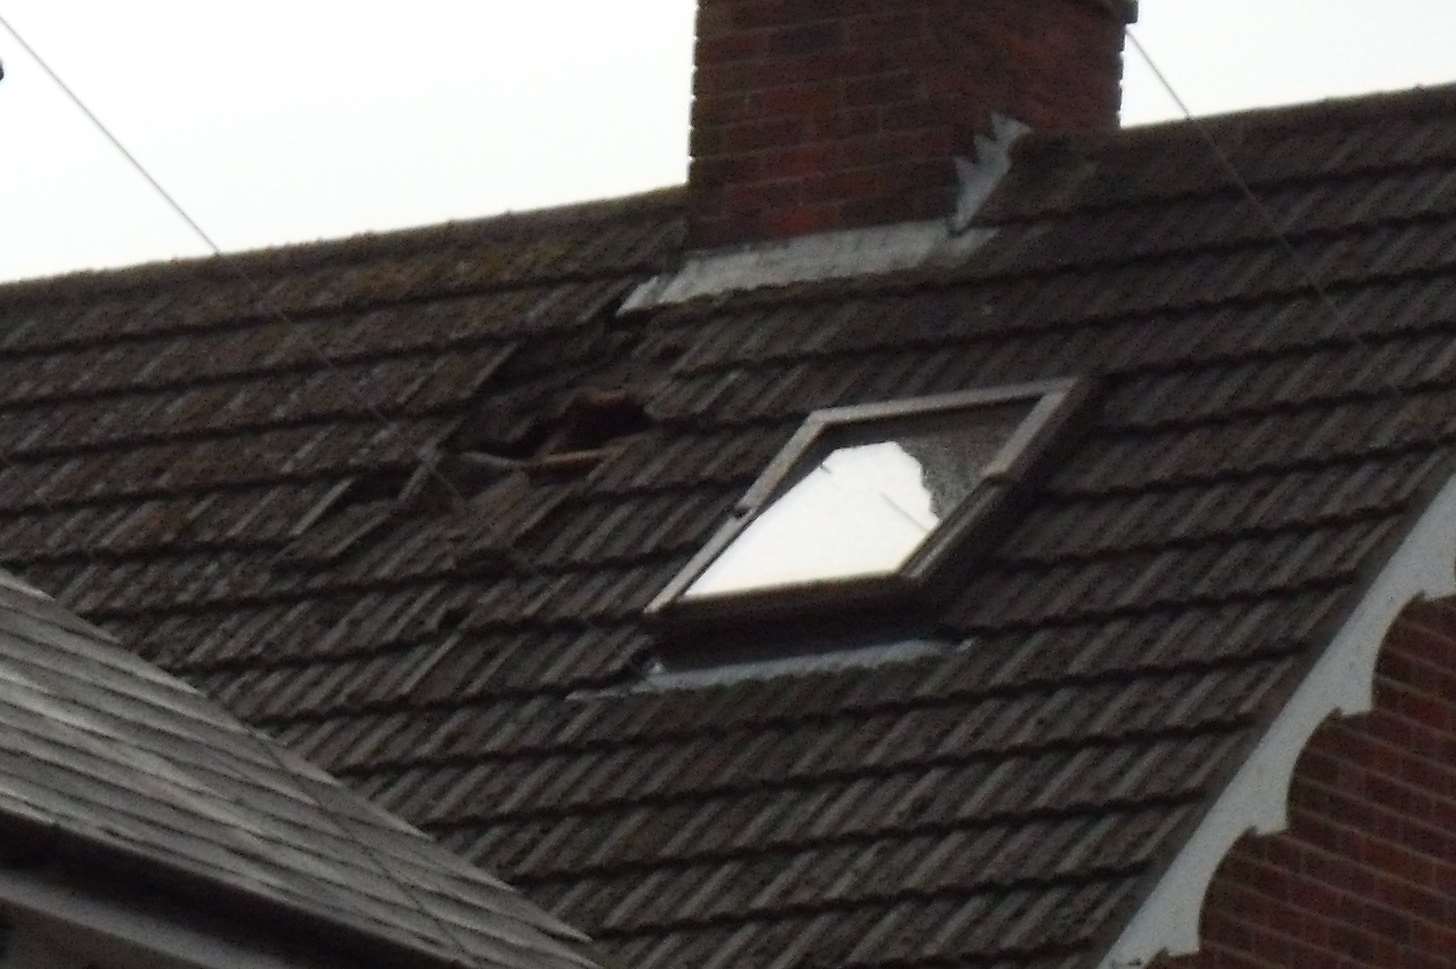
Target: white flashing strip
814 258
979 178
875 251
661 680
865 657
14 582
1341 683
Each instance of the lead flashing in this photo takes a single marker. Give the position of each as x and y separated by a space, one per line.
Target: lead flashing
979 178
849 253
659 679
879 250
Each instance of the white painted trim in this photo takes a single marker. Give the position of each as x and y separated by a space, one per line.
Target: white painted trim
1341 683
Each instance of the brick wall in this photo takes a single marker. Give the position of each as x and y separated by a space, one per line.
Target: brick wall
812 115
1365 876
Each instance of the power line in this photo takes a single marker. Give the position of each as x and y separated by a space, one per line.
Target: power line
116 143
1262 210
230 265
262 743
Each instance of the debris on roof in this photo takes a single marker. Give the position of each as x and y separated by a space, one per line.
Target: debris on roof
1249 459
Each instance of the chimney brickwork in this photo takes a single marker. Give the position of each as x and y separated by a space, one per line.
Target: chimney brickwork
814 115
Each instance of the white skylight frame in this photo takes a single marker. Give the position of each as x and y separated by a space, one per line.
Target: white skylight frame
973 522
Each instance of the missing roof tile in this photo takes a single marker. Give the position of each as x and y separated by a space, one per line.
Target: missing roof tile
595 418
552 429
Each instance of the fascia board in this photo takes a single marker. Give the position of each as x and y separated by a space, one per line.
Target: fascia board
122 932
1340 683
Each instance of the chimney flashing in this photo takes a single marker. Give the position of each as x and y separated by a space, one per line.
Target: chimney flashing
978 179
843 114
822 257
846 253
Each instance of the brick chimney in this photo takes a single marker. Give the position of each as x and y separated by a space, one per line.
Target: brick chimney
814 115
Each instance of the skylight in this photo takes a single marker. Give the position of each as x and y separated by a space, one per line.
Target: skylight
866 502
860 508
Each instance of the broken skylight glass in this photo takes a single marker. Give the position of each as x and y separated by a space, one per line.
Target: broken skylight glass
861 509
866 502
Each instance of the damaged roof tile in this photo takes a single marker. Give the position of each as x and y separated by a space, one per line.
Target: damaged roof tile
1247 456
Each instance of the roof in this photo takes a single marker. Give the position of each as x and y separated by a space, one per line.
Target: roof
186 471
108 764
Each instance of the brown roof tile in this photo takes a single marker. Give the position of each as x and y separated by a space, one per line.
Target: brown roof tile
108 762
182 464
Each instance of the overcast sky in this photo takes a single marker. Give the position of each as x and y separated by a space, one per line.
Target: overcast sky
285 120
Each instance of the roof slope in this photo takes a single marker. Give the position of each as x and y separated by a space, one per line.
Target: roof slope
107 759
186 472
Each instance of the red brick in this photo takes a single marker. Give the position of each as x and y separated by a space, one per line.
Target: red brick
892 27
741 139
1365 876
812 38
724 109
847 124
732 48
751 197
882 90
840 185
797 161
799 220
716 171
797 100
884 209
888 85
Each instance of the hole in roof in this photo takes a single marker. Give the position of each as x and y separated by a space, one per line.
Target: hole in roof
595 418
474 486
553 428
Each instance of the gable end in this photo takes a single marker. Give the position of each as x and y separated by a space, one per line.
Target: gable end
1341 683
